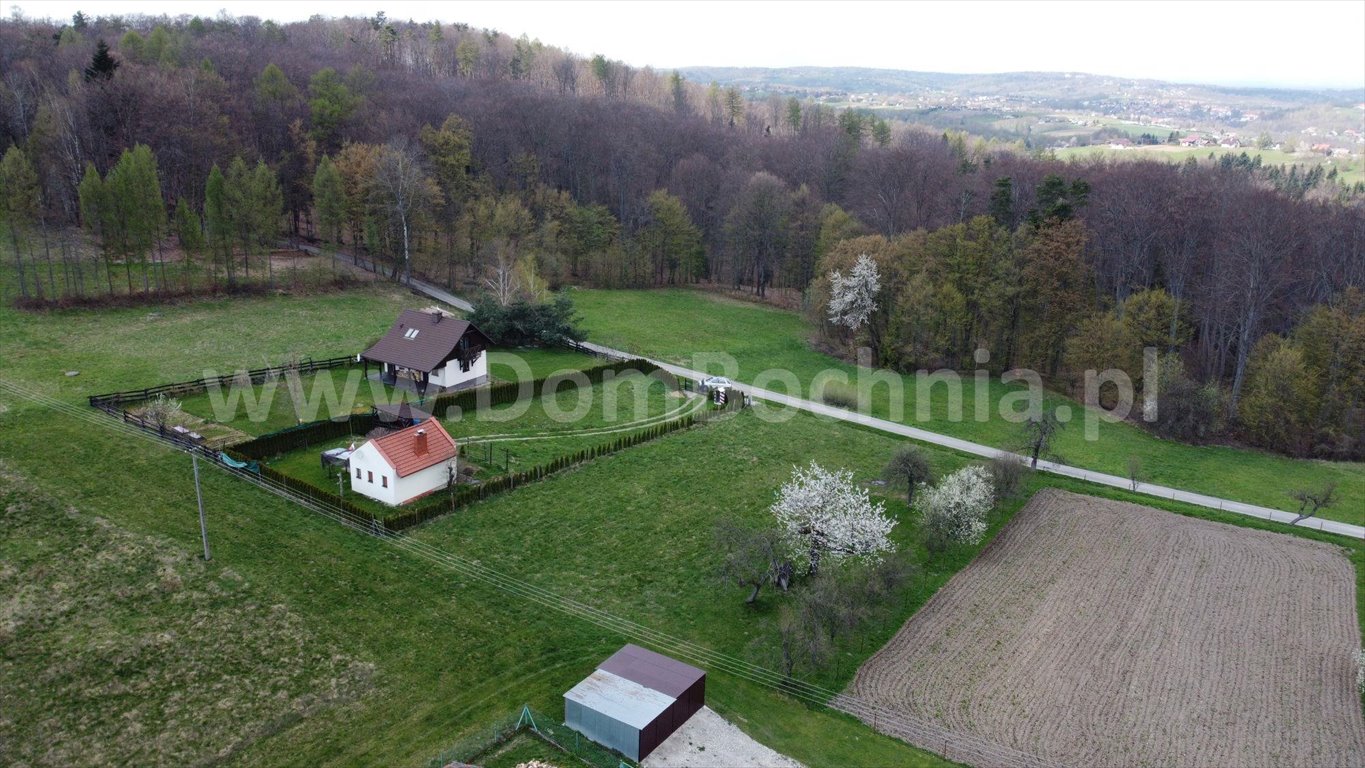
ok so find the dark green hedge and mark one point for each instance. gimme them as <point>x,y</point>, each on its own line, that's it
<point>304,435</point>
<point>445,501</point>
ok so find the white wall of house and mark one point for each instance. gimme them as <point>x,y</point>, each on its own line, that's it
<point>369,471</point>
<point>450,374</point>
<point>422,482</point>
<point>372,476</point>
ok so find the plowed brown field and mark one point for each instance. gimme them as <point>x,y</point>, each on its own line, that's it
<point>1099,633</point>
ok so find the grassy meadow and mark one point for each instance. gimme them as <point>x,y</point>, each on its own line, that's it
<point>447,654</point>
<point>266,407</point>
<point>521,436</point>
<point>374,656</point>
<point>691,327</point>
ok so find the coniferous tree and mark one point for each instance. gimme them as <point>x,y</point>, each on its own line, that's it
<point>95,212</point>
<point>189,230</point>
<point>102,64</point>
<point>19,208</point>
<point>138,209</point>
<point>329,198</point>
<point>267,206</point>
<point>217,223</point>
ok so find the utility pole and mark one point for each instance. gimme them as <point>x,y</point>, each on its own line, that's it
<point>199,494</point>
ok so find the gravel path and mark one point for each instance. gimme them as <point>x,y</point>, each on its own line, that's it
<point>708,740</point>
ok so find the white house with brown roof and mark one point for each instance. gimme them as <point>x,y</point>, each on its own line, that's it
<point>404,465</point>
<point>431,347</point>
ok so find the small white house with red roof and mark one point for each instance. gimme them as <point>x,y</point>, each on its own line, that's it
<point>404,465</point>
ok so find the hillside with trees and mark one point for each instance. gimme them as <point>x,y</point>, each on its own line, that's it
<point>157,156</point>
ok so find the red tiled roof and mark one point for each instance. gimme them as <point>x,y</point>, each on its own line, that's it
<point>400,449</point>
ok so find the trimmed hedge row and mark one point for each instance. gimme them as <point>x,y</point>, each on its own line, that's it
<point>446,501</point>
<point>443,502</point>
<point>304,435</point>
<point>507,392</point>
<point>503,393</point>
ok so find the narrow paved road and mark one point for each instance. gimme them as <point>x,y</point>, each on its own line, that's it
<point>986,451</point>
<point>922,435</point>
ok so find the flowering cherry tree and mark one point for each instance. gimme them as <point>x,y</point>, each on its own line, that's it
<point>1360,670</point>
<point>955,509</point>
<point>824,515</point>
<point>853,299</point>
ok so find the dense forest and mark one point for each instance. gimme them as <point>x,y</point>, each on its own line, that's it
<point>158,156</point>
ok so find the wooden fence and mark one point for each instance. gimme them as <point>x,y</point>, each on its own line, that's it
<point>201,385</point>
<point>443,502</point>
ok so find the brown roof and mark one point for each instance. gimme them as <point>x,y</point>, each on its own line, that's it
<point>652,670</point>
<point>402,449</point>
<point>423,341</point>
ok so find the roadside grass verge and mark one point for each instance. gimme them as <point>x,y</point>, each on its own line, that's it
<point>689,327</point>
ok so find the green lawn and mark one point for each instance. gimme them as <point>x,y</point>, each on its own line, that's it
<point>692,327</point>
<point>631,534</point>
<point>448,654</point>
<point>519,364</point>
<point>521,436</point>
<point>270,406</point>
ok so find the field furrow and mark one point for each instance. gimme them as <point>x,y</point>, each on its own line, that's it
<point>1094,632</point>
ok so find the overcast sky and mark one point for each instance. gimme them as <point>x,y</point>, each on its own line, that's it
<point>1246,42</point>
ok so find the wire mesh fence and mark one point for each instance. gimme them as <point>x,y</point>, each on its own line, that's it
<point>962,747</point>
<point>486,740</point>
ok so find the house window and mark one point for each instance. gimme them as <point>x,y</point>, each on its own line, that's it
<point>357,473</point>
<point>370,477</point>
<point>411,333</point>
<point>384,480</point>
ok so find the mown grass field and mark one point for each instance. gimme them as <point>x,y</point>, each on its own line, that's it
<point>264,407</point>
<point>631,534</point>
<point>694,328</point>
<point>524,435</point>
<point>448,653</point>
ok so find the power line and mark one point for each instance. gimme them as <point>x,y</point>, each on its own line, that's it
<point>922,733</point>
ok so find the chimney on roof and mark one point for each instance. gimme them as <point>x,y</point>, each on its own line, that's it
<point>419,444</point>
<point>436,316</point>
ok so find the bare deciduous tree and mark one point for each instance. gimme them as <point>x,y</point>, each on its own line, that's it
<point>832,606</point>
<point>1038,432</point>
<point>1135,473</point>
<point>909,466</point>
<point>754,558</point>
<point>404,189</point>
<point>1313,500</point>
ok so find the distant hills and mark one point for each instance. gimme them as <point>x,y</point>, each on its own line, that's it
<point>994,104</point>
<point>1064,87</point>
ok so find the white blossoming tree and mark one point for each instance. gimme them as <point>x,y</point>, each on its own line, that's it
<point>954,511</point>
<point>823,515</point>
<point>853,299</point>
<point>1360,671</point>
